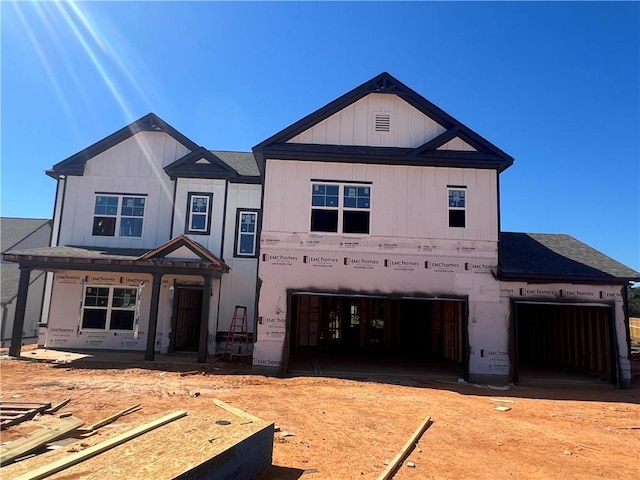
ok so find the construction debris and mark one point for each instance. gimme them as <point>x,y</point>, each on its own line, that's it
<point>112,418</point>
<point>12,413</point>
<point>502,408</point>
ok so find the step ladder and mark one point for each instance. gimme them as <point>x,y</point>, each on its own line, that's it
<point>238,335</point>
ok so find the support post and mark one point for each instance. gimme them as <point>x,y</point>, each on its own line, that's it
<point>204,319</point>
<point>153,317</point>
<point>21,308</point>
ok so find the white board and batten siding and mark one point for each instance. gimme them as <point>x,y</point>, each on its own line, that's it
<point>239,285</point>
<point>406,201</point>
<point>213,240</point>
<point>354,125</point>
<point>134,166</point>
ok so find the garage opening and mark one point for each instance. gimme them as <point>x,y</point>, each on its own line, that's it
<point>334,333</point>
<point>564,342</point>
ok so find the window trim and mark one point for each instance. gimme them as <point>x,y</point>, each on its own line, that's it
<point>342,185</point>
<point>187,225</point>
<point>236,244</point>
<point>109,308</point>
<point>118,215</point>
<point>453,188</point>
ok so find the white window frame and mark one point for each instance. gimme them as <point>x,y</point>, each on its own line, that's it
<point>450,207</point>
<point>190,213</point>
<point>109,308</point>
<point>119,216</point>
<point>240,233</point>
<point>340,208</point>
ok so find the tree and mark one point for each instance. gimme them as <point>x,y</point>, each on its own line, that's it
<point>633,295</point>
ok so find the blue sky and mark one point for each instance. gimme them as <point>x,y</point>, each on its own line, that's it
<point>556,85</point>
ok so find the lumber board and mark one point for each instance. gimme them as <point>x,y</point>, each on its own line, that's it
<point>234,410</point>
<point>111,418</point>
<point>97,449</point>
<point>57,406</point>
<point>12,413</point>
<point>404,452</point>
<point>37,439</point>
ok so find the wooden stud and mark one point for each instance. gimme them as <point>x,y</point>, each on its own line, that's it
<point>404,452</point>
<point>78,457</point>
<point>236,411</point>
<point>111,418</point>
<point>58,406</point>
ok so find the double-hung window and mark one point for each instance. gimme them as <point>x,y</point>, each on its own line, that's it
<point>246,233</point>
<point>340,208</point>
<point>118,215</point>
<point>109,308</point>
<point>199,213</point>
<point>457,207</point>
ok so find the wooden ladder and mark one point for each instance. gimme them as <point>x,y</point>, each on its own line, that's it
<point>238,334</point>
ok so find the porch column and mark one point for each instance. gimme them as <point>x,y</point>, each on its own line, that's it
<point>21,308</point>
<point>153,317</point>
<point>204,319</point>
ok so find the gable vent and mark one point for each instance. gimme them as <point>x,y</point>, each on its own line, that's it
<point>382,122</point>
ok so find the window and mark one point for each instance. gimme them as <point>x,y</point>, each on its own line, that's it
<point>109,308</point>
<point>247,231</point>
<point>118,213</point>
<point>457,206</point>
<point>346,213</point>
<point>199,213</point>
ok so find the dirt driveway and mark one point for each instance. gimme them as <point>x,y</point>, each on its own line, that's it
<point>348,429</point>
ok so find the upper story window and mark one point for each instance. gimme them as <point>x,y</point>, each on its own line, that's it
<point>340,208</point>
<point>246,233</point>
<point>199,213</point>
<point>457,207</point>
<point>109,308</point>
<point>123,214</point>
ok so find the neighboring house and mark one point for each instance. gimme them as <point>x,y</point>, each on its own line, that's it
<point>18,234</point>
<point>153,245</point>
<point>381,236</point>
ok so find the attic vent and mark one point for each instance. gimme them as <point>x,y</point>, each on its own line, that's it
<point>202,160</point>
<point>382,122</point>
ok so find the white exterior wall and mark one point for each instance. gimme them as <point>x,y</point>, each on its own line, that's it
<point>213,241</point>
<point>64,332</point>
<point>239,285</point>
<point>406,201</point>
<point>134,166</point>
<point>31,316</point>
<point>354,125</point>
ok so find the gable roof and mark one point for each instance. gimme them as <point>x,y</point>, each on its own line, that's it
<point>74,165</point>
<point>14,230</point>
<point>203,163</point>
<point>558,257</point>
<point>487,156</point>
<point>182,241</point>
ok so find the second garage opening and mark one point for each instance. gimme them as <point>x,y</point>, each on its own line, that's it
<point>564,342</point>
<point>332,333</point>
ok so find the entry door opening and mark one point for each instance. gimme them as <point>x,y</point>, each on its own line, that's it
<point>415,331</point>
<point>186,322</point>
<point>564,342</point>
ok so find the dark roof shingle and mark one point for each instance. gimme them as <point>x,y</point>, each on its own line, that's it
<point>561,257</point>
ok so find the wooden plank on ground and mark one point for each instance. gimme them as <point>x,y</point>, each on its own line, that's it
<point>38,439</point>
<point>234,410</point>
<point>112,418</point>
<point>12,413</point>
<point>57,406</point>
<point>397,460</point>
<point>76,458</point>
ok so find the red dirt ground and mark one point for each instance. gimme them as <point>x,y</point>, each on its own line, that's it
<point>347,429</point>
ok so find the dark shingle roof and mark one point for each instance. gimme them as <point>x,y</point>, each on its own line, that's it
<point>242,162</point>
<point>546,256</point>
<point>83,252</point>
<point>13,230</point>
